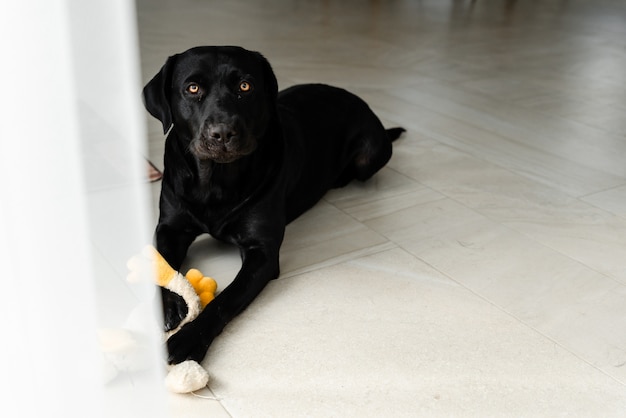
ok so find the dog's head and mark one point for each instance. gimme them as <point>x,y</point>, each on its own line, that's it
<point>218,99</point>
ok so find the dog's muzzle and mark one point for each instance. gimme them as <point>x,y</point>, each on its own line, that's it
<point>222,143</point>
<point>222,133</point>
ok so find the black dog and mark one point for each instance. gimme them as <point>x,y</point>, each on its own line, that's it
<point>242,161</point>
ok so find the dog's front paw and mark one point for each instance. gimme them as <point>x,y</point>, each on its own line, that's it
<point>189,343</point>
<point>175,309</point>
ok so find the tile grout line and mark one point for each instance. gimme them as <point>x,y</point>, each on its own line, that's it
<point>519,320</point>
<point>399,245</point>
<point>510,228</point>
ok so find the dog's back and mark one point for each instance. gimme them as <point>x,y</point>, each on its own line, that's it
<point>332,137</point>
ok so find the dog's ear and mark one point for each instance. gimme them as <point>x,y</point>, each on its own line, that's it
<point>269,78</point>
<point>156,94</point>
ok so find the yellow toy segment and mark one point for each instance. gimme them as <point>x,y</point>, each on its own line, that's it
<point>206,297</point>
<point>166,276</point>
<point>163,271</point>
<point>205,287</point>
<point>194,276</point>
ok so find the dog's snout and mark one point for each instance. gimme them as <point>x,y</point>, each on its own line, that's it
<point>222,132</point>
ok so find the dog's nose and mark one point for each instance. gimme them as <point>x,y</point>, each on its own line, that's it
<point>222,132</point>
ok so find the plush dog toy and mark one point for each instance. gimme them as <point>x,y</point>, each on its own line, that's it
<point>197,291</point>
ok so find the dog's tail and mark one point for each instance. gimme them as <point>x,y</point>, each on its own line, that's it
<point>394,133</point>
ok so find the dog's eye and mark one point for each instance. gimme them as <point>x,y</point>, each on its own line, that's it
<point>245,87</point>
<point>193,89</point>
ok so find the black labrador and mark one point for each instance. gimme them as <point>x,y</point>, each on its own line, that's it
<point>242,161</point>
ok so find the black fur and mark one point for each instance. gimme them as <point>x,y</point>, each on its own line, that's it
<point>242,161</point>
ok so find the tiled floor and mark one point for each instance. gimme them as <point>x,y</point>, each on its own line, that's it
<point>483,272</point>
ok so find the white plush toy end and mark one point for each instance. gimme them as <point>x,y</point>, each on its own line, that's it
<point>186,377</point>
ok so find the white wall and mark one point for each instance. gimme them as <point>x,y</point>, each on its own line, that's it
<point>69,74</point>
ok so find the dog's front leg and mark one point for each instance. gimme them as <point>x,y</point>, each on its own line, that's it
<point>260,265</point>
<point>173,243</point>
